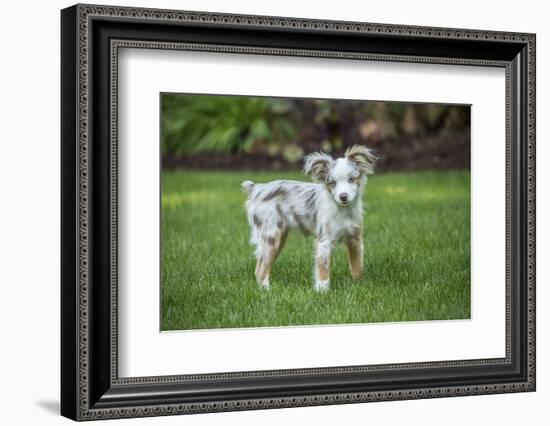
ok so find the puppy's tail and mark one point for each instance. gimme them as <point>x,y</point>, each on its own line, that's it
<point>247,185</point>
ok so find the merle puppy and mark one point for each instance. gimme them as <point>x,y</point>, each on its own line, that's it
<point>330,209</point>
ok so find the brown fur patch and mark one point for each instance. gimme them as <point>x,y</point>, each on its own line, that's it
<point>322,269</point>
<point>328,188</point>
<point>363,158</point>
<point>354,255</point>
<point>272,249</point>
<point>320,169</point>
<point>281,244</point>
<point>258,266</point>
<point>317,165</point>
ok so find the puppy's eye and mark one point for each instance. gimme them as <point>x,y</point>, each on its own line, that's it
<point>351,179</point>
<point>331,183</point>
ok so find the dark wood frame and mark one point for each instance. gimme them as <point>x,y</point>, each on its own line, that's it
<point>91,37</point>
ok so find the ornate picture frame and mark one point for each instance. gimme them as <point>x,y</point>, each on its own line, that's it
<point>91,37</point>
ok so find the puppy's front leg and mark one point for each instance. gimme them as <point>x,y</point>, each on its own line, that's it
<point>355,255</point>
<point>323,250</point>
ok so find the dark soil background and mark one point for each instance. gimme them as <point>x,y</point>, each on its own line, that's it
<point>447,152</point>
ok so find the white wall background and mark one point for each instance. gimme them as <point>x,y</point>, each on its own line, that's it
<point>29,211</point>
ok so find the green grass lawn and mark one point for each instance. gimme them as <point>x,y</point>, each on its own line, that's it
<point>417,256</point>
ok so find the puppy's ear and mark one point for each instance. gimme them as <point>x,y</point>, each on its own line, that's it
<point>363,158</point>
<point>317,165</point>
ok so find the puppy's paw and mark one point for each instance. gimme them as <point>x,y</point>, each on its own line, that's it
<point>265,284</point>
<point>356,275</point>
<point>321,285</point>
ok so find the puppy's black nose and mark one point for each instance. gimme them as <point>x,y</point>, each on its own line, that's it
<point>344,197</point>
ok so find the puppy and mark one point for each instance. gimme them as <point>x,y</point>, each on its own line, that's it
<point>330,209</point>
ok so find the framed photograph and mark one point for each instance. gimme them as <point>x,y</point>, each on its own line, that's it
<point>263,212</point>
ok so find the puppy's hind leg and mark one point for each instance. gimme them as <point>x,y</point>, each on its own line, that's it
<point>271,248</point>
<point>282,241</point>
<point>258,266</point>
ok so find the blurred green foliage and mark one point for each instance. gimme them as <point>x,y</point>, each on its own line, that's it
<point>197,123</point>
<point>289,126</point>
